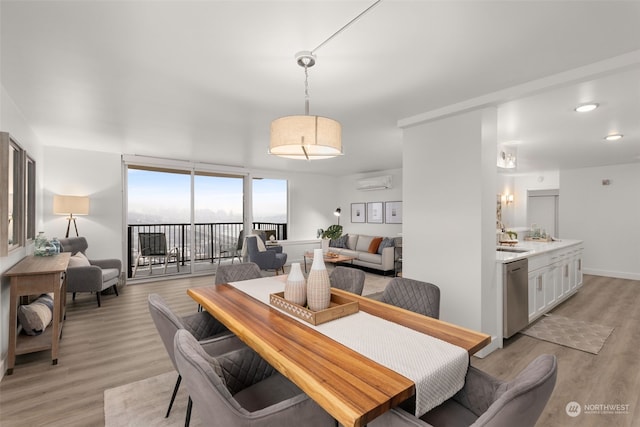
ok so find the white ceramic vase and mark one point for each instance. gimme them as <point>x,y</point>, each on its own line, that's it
<point>325,245</point>
<point>318,284</point>
<point>295,290</point>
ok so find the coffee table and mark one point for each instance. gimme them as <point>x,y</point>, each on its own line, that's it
<point>332,259</point>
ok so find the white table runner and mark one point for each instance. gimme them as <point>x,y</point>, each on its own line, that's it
<point>437,368</point>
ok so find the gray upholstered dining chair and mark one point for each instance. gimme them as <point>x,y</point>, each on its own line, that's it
<point>205,329</point>
<point>266,259</point>
<point>237,272</point>
<point>414,295</point>
<point>485,401</point>
<point>348,279</point>
<point>240,388</point>
<point>89,275</point>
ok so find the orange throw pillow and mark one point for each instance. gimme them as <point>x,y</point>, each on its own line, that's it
<point>373,246</point>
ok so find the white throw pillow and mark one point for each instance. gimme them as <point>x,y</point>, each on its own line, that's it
<point>79,260</point>
<point>261,247</point>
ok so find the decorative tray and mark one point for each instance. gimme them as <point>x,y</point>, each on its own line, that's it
<point>339,307</point>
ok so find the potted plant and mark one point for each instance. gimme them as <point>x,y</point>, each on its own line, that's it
<point>332,232</point>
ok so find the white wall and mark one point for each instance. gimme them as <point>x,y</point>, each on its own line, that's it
<point>607,218</point>
<point>86,173</point>
<point>449,192</point>
<point>312,200</point>
<point>348,194</point>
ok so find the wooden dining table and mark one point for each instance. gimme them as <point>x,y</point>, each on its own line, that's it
<point>351,387</point>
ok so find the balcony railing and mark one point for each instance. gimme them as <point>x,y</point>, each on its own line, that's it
<point>209,239</point>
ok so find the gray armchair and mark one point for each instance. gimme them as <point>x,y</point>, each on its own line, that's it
<point>413,295</point>
<point>85,275</point>
<point>485,401</point>
<point>240,388</point>
<point>267,259</point>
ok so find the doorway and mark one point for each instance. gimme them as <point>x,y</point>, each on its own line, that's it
<point>543,208</point>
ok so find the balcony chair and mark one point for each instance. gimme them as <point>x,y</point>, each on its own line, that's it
<point>154,246</point>
<point>413,295</point>
<point>237,272</point>
<point>232,251</point>
<point>265,258</point>
<point>205,329</point>
<point>348,279</point>
<point>240,388</point>
<point>485,401</point>
<point>88,275</point>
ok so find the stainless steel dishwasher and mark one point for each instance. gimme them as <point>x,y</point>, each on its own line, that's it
<point>515,281</point>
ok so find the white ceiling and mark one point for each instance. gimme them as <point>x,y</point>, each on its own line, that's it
<point>202,80</point>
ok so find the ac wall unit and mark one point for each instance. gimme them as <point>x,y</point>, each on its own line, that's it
<point>374,183</point>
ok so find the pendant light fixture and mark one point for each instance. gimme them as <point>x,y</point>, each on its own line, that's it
<point>306,137</point>
<point>309,137</point>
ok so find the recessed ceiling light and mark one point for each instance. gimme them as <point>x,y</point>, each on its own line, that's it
<point>586,107</point>
<point>613,137</point>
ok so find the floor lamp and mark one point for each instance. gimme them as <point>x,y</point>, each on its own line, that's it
<point>70,205</point>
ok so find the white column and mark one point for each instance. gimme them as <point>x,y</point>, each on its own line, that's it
<point>449,197</point>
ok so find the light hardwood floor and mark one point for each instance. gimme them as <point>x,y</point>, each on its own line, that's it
<point>611,377</point>
<point>118,344</point>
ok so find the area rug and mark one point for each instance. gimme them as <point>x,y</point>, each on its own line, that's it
<point>578,334</point>
<point>145,403</point>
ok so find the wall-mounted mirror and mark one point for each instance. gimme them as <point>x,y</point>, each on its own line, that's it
<point>13,194</point>
<point>30,198</point>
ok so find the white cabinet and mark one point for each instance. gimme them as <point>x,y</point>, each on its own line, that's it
<point>552,289</point>
<point>553,277</point>
<point>540,286</point>
<point>575,269</point>
<point>534,294</point>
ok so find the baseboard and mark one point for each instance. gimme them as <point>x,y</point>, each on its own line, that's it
<point>615,274</point>
<point>3,365</point>
<point>493,346</point>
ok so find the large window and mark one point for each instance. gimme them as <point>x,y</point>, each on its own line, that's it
<point>158,196</point>
<point>270,200</point>
<point>200,212</point>
<point>218,213</point>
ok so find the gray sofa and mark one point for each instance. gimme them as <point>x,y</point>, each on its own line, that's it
<point>357,245</point>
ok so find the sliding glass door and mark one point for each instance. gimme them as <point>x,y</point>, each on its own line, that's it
<point>194,217</point>
<point>159,221</point>
<point>218,216</point>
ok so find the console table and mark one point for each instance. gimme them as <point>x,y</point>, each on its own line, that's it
<point>35,275</point>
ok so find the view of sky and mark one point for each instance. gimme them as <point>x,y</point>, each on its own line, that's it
<point>163,197</point>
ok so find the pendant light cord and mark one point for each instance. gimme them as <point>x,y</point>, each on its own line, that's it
<point>345,26</point>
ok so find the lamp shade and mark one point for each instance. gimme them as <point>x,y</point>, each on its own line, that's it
<point>306,137</point>
<point>66,205</point>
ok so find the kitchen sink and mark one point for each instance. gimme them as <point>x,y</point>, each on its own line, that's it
<point>515,250</point>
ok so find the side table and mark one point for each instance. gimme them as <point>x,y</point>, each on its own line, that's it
<point>35,275</point>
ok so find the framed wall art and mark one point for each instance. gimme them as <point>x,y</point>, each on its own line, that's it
<point>375,214</point>
<point>393,212</point>
<point>358,214</point>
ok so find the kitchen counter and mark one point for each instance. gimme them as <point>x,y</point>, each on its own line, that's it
<point>531,248</point>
